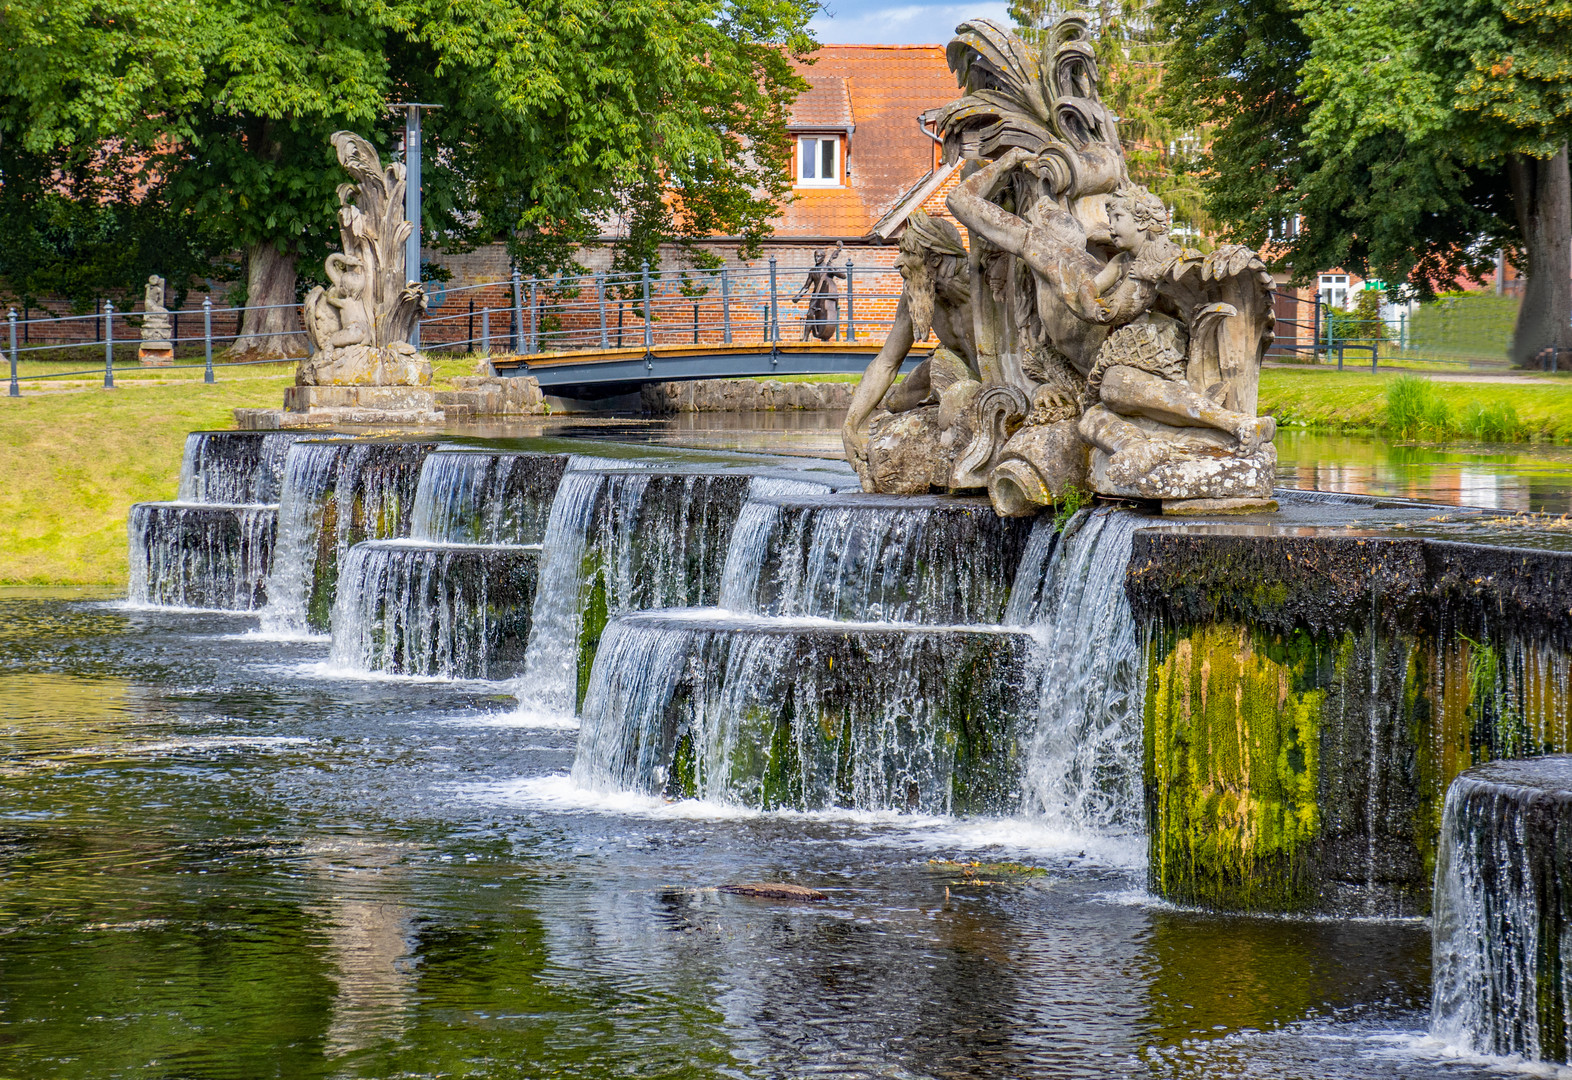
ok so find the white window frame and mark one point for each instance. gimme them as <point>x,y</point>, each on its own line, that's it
<point>1334,290</point>
<point>816,156</point>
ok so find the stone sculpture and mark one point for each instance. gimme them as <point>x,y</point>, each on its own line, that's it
<point>1098,352</point>
<point>823,317</point>
<point>157,348</point>
<point>359,326</point>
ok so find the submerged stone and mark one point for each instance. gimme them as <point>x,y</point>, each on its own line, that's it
<point>462,611</point>
<point>808,715</point>
<point>1502,946</point>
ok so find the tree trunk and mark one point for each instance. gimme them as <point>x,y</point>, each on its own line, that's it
<point>1542,197</point>
<point>273,331</point>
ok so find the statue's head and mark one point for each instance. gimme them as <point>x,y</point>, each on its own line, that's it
<point>932,259</point>
<point>1135,216</point>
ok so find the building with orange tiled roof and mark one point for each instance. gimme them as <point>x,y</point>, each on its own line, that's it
<point>864,156</point>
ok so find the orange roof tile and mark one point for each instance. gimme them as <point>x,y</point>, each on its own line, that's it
<point>884,88</point>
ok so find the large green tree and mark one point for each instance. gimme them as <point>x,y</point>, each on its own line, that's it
<point>559,118</point>
<point>1394,130</point>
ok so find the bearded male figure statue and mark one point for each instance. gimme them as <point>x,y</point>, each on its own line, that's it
<point>1101,353</point>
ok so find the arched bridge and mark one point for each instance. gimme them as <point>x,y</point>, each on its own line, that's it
<point>600,373</point>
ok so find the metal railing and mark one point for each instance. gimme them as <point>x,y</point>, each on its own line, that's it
<point>598,311</point>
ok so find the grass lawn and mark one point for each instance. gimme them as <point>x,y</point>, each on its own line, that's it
<point>76,458</point>
<point>1352,401</point>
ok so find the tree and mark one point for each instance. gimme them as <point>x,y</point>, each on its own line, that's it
<point>557,116</point>
<point>1346,117</point>
<point>1133,56</point>
<point>1484,84</point>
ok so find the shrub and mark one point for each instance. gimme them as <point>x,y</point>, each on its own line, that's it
<point>1414,407</point>
<point>1492,423</point>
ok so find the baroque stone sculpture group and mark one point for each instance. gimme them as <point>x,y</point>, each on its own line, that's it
<point>1078,345</point>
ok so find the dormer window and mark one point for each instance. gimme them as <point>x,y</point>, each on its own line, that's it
<point>819,161</point>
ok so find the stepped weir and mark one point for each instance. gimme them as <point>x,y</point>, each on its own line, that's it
<point>1280,716</point>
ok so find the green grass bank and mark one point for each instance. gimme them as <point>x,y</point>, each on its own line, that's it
<point>78,457</point>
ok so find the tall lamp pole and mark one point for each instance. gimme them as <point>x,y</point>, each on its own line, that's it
<point>412,191</point>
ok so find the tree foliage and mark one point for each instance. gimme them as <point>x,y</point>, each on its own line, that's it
<point>560,119</point>
<point>1390,127</point>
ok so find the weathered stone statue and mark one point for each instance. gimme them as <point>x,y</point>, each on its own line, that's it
<point>823,316</point>
<point>1104,354</point>
<point>360,325</point>
<point>157,348</point>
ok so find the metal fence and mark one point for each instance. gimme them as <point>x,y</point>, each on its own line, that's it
<point>1472,330</point>
<point>726,306</point>
<point>599,311</point>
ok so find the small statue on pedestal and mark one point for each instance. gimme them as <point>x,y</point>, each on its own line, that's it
<point>157,348</point>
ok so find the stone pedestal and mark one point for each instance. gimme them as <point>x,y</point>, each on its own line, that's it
<point>156,354</point>
<point>398,406</point>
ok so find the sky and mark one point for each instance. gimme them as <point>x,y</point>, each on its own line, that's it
<point>881,22</point>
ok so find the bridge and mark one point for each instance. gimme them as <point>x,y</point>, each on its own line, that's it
<point>602,373</point>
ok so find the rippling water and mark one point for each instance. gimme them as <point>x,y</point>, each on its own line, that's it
<point>219,859</point>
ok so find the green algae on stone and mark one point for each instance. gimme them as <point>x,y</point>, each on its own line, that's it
<point>1233,768</point>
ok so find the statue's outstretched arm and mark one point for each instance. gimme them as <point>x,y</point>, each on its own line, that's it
<point>877,380</point>
<point>970,203</point>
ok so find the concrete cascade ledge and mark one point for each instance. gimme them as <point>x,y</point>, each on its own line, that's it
<point>407,406</point>
<point>744,395</point>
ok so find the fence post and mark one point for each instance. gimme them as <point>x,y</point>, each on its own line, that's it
<point>534,316</point>
<point>207,337</point>
<point>851,314</point>
<point>485,331</point>
<point>1315,329</point>
<point>649,330</point>
<point>1375,353</point>
<point>16,390</point>
<point>775,310</point>
<point>109,345</point>
<point>518,311</point>
<point>600,298</point>
<point>725,307</point>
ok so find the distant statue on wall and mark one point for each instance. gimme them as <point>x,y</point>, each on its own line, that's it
<point>823,317</point>
<point>157,348</point>
<point>1105,354</point>
<point>359,326</point>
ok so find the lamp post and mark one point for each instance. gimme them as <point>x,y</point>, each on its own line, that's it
<point>412,192</point>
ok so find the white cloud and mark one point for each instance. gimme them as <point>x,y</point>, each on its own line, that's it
<point>848,22</point>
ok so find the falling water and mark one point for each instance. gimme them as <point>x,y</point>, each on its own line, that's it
<point>234,467</point>
<point>334,495</point>
<point>193,555</point>
<point>451,610</point>
<point>1084,758</point>
<point>485,497</point>
<point>1502,929</point>
<point>807,714</point>
<point>622,541</point>
<point>874,558</point>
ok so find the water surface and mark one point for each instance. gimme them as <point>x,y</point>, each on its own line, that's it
<point>220,859</point>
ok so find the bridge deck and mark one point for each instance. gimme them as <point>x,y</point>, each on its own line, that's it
<point>600,372</point>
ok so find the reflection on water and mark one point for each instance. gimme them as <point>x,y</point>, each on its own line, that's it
<point>217,864</point>
<point>1511,477</point>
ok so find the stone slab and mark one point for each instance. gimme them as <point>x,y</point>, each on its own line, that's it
<point>402,398</point>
